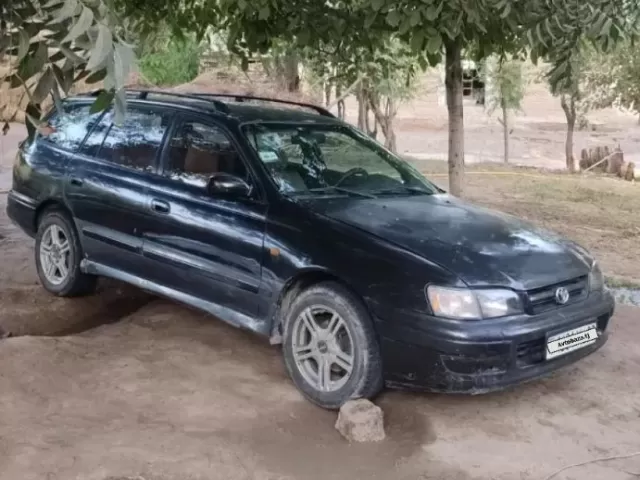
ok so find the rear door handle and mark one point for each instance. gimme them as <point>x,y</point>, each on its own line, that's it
<point>76,182</point>
<point>159,206</point>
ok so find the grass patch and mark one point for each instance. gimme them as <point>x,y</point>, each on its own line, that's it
<point>615,282</point>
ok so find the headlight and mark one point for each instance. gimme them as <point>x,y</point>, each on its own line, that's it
<point>465,304</point>
<point>596,279</point>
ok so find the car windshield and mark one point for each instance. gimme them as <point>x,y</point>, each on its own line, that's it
<point>321,160</point>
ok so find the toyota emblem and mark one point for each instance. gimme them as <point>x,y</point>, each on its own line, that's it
<point>562,295</point>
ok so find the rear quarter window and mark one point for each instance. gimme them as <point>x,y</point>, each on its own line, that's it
<point>67,128</point>
<point>135,144</point>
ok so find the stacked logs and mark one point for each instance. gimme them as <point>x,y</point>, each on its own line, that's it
<point>603,160</point>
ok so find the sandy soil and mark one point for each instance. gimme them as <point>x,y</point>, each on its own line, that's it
<point>122,383</point>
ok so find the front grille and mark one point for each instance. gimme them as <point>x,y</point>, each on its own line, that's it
<point>543,299</point>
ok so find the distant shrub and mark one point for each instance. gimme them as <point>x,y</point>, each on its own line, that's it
<point>178,63</point>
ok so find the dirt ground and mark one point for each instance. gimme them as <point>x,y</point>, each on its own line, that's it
<point>123,383</point>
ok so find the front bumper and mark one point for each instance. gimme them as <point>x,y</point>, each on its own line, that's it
<point>21,210</point>
<point>427,353</point>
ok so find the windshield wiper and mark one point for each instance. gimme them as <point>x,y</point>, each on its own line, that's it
<point>342,190</point>
<point>404,189</point>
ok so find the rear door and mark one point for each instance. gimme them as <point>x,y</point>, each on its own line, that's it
<point>207,247</point>
<point>107,185</point>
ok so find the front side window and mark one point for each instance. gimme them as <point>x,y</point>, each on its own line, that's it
<point>332,159</point>
<point>135,144</point>
<point>67,127</point>
<point>199,150</point>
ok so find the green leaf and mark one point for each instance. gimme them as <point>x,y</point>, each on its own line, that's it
<point>431,13</point>
<point>103,101</point>
<point>123,60</point>
<point>530,39</point>
<point>33,114</point>
<point>52,3</point>
<point>541,38</point>
<point>96,77</point>
<point>404,26</point>
<point>417,41</point>
<point>120,107</point>
<point>415,18</point>
<point>370,18</point>
<point>534,56</point>
<point>23,48</point>
<point>393,18</point>
<point>304,36</point>
<point>507,10</point>
<point>67,10</point>
<point>44,86</point>
<point>434,43</point>
<point>264,12</point>
<point>376,5</point>
<point>71,55</point>
<point>60,78</point>
<point>606,27</point>
<point>33,64</point>
<point>102,49</point>
<point>547,24</point>
<point>82,25</point>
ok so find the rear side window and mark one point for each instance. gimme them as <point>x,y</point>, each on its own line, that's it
<point>135,144</point>
<point>69,126</point>
<point>199,150</point>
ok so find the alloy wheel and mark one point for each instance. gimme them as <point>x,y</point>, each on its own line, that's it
<point>323,348</point>
<point>55,252</point>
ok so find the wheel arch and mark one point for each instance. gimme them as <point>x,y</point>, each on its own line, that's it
<point>302,280</point>
<point>47,205</point>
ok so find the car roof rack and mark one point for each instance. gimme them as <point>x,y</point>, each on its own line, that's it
<point>212,99</point>
<point>142,94</point>
<point>241,98</point>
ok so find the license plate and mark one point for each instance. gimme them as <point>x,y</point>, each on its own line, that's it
<point>571,340</point>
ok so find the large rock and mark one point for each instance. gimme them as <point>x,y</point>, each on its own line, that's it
<point>361,421</point>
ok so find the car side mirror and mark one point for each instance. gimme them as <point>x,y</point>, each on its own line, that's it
<point>228,185</point>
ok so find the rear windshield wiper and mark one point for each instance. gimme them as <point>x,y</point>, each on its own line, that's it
<point>342,190</point>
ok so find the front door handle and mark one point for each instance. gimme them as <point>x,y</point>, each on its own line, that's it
<point>159,206</point>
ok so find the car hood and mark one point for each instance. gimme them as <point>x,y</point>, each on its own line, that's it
<point>480,246</point>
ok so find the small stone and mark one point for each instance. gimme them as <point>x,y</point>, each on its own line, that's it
<point>361,421</point>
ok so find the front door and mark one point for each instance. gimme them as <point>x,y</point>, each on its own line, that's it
<point>208,247</point>
<point>107,185</point>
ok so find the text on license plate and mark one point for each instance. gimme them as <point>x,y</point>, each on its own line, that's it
<point>565,342</point>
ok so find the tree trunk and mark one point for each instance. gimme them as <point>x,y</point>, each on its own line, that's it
<point>327,93</point>
<point>340,103</point>
<point>569,106</point>
<point>385,119</point>
<point>362,108</point>
<point>505,128</point>
<point>291,72</point>
<point>453,83</point>
<point>372,132</point>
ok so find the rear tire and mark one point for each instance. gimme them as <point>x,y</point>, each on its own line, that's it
<point>58,255</point>
<point>330,348</point>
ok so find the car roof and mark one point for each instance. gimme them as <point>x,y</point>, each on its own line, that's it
<point>244,109</point>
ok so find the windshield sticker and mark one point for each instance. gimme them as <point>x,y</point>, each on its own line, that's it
<point>268,156</point>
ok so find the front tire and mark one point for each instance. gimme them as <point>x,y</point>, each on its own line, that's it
<point>58,254</point>
<point>330,348</point>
